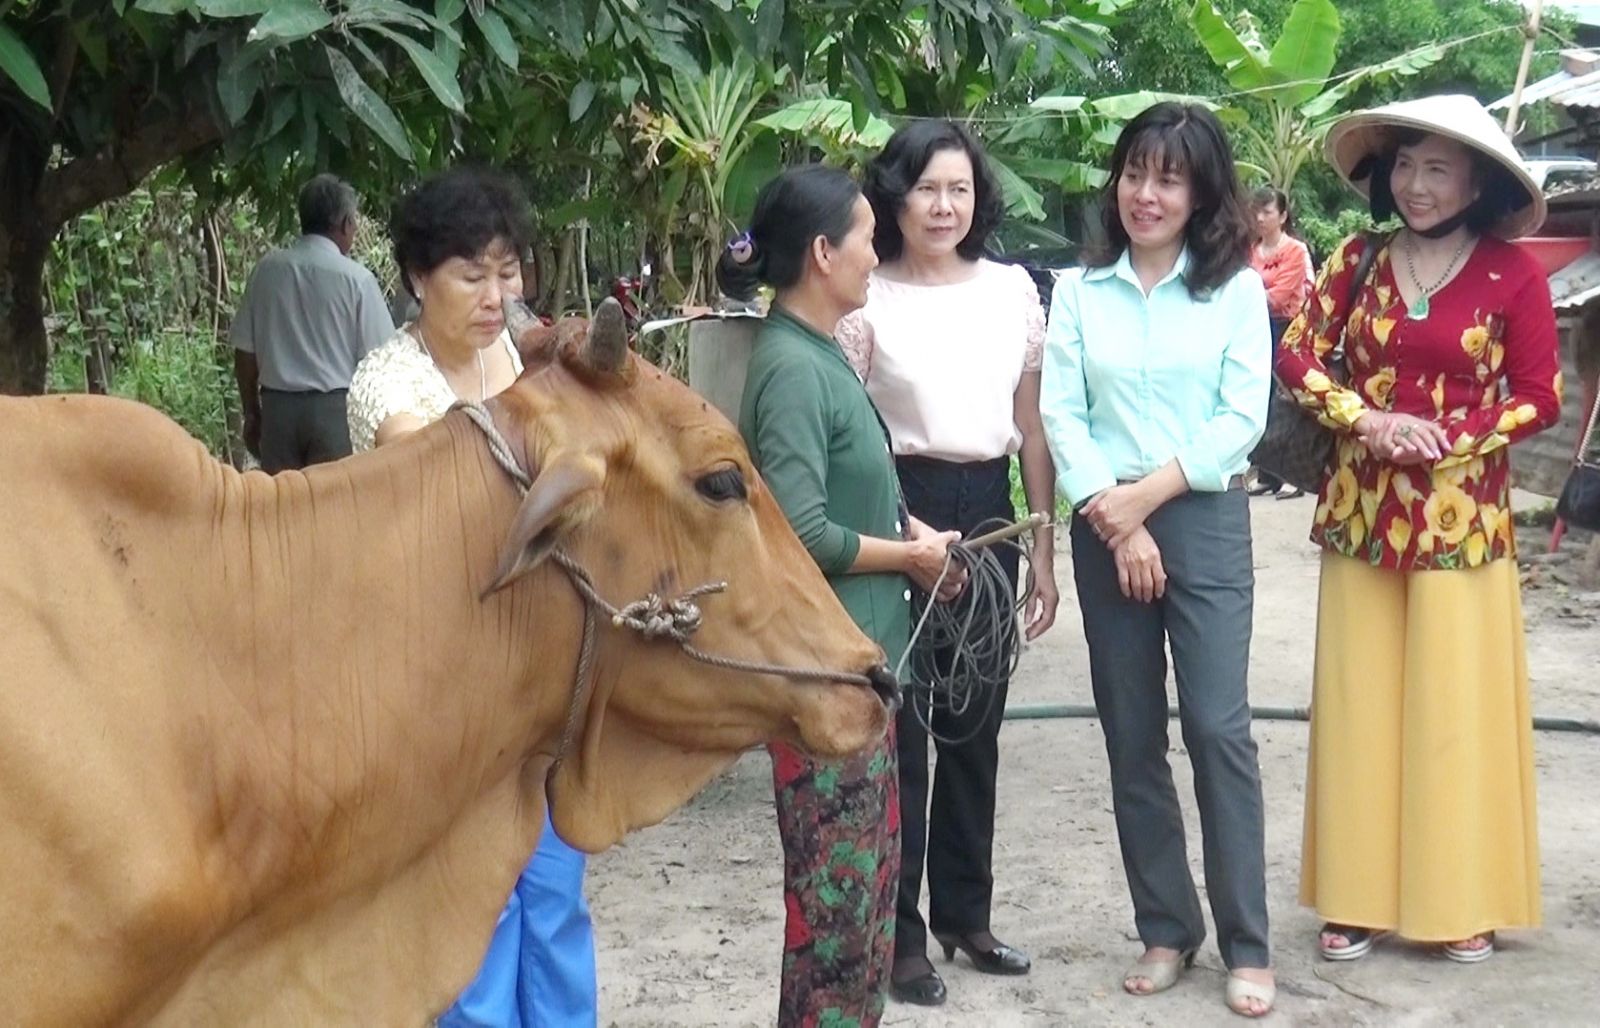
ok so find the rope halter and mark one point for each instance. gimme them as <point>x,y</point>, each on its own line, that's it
<point>652,617</point>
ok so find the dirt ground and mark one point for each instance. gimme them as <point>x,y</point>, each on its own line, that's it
<point>688,915</point>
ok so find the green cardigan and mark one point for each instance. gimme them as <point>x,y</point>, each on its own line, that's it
<point>821,448</point>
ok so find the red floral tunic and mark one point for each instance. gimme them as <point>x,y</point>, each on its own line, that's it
<point>1483,365</point>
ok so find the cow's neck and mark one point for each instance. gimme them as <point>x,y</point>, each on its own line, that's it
<point>382,689</point>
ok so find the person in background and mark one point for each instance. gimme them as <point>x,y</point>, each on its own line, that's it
<point>949,346</point>
<point>1284,264</point>
<point>458,238</point>
<point>308,316</point>
<point>823,452</point>
<point>1157,373</point>
<point>1420,811</point>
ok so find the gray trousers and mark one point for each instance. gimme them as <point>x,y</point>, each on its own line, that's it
<point>1206,617</point>
<point>302,429</point>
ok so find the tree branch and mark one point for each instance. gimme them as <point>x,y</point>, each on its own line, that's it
<point>85,182</point>
<point>61,69</point>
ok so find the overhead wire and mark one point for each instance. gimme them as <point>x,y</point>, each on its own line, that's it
<point>1327,81</point>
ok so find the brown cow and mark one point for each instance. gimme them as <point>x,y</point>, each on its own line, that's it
<point>273,749</point>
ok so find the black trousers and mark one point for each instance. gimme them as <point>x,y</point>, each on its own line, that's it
<point>955,833</point>
<point>1279,325</point>
<point>301,429</point>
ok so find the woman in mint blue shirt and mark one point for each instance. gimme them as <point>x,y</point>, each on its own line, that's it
<point>1157,370</point>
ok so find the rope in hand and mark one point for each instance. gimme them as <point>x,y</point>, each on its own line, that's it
<point>962,653</point>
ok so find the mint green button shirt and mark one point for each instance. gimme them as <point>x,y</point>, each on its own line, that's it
<point>1131,381</point>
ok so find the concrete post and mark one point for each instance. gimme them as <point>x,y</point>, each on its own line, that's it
<point>719,356</point>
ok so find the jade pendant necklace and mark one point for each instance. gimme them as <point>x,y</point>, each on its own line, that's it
<point>1418,310</point>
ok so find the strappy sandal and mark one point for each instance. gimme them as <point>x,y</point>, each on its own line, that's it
<point>1161,974</point>
<point>1359,941</point>
<point>1462,955</point>
<point>1240,989</point>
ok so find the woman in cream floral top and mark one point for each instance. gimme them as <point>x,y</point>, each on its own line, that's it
<point>457,239</point>
<point>1420,792</point>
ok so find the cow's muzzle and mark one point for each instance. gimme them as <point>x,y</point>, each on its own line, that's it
<point>885,685</point>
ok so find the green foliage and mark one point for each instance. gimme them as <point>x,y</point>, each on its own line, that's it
<point>248,98</point>
<point>191,378</point>
<point>1287,88</point>
<point>702,142</point>
<point>18,65</point>
<point>139,294</point>
<point>1324,234</point>
<point>641,127</point>
<point>830,125</point>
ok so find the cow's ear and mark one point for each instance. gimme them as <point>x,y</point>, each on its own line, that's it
<point>566,492</point>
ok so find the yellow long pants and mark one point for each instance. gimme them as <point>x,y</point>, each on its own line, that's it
<point>1420,814</point>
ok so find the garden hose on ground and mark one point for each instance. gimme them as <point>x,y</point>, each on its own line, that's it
<point>1050,711</point>
<point>962,652</point>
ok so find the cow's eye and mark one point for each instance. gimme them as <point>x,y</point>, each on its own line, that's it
<point>724,484</point>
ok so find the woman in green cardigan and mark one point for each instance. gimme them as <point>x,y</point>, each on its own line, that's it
<point>824,454</point>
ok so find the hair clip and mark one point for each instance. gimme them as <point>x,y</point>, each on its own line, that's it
<point>741,248</point>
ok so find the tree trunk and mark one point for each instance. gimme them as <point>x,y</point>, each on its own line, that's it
<point>564,259</point>
<point>36,200</point>
<point>96,367</point>
<point>24,346</point>
<point>217,291</point>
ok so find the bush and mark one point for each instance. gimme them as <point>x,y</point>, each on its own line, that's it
<point>140,293</point>
<point>1323,235</point>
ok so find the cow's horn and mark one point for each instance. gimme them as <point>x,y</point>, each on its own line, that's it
<point>534,340</point>
<point>606,349</point>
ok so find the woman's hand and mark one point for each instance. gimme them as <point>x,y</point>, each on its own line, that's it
<point>1039,609</point>
<point>1139,569</point>
<point>1415,440</point>
<point>1402,438</point>
<point>1115,513</point>
<point>925,558</point>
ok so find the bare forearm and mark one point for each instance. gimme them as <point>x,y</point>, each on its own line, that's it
<point>1039,487</point>
<point>248,374</point>
<point>1167,482</point>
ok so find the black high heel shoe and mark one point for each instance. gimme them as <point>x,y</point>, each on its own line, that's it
<point>998,959</point>
<point>925,990</point>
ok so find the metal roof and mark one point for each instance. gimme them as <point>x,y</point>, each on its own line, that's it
<point>1577,84</point>
<point>1584,12</point>
<point>1577,283</point>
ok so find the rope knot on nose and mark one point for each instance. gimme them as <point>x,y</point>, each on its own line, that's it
<point>656,618</point>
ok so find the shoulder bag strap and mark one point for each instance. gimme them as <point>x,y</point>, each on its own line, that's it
<point>1369,256</point>
<point>1582,456</point>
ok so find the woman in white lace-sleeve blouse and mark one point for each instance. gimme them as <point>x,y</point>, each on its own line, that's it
<point>950,348</point>
<point>457,240</point>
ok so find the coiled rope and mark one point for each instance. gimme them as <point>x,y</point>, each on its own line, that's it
<point>963,652</point>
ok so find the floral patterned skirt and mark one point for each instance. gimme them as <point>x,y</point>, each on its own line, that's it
<point>840,826</point>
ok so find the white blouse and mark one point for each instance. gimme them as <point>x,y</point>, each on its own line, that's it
<point>943,362</point>
<point>400,377</point>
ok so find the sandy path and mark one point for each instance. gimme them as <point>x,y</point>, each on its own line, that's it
<point>689,914</point>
